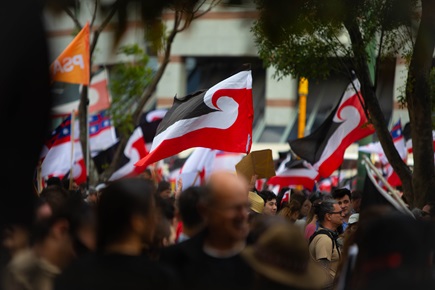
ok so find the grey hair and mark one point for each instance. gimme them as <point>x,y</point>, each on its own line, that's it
<point>326,206</point>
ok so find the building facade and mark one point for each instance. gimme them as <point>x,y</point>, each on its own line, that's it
<point>211,49</point>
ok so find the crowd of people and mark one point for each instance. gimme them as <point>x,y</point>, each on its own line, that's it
<point>135,233</point>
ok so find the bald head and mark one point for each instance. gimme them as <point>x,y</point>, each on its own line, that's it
<point>224,183</point>
<point>226,207</point>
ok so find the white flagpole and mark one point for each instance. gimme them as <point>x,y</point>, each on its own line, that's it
<point>392,196</point>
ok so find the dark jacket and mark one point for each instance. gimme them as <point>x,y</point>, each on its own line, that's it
<point>116,272</point>
<point>199,271</point>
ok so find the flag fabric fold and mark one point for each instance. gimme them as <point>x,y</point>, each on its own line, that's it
<point>72,65</point>
<point>324,149</point>
<point>63,152</point>
<point>135,149</point>
<point>197,167</point>
<point>149,122</point>
<point>294,172</point>
<point>218,118</point>
<point>400,144</point>
<point>66,96</point>
<point>102,134</point>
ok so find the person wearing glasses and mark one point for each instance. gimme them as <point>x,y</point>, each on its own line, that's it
<point>323,245</point>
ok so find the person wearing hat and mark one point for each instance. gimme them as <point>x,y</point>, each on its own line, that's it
<point>281,260</point>
<point>257,203</point>
<point>351,228</point>
<point>255,213</point>
<point>353,219</point>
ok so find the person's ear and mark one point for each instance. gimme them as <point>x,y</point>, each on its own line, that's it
<point>203,210</point>
<point>138,223</point>
<point>60,228</point>
<point>295,215</point>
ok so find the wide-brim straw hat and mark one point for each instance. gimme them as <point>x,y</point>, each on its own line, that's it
<point>257,202</point>
<point>281,255</point>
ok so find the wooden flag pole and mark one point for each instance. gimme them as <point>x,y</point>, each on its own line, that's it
<point>196,178</point>
<point>72,136</point>
<point>39,178</point>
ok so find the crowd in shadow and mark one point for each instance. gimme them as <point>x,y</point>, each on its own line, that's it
<point>134,233</point>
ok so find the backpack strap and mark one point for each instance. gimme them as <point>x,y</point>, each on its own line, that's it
<point>330,234</point>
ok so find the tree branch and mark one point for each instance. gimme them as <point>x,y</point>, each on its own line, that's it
<point>103,25</point>
<point>73,17</point>
<point>94,14</point>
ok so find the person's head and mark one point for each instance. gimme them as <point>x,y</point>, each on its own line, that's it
<point>291,210</point>
<point>356,198</point>
<point>69,184</point>
<point>225,207</point>
<point>343,197</point>
<point>429,210</point>
<point>352,224</point>
<point>92,196</point>
<point>164,234</point>
<point>164,189</point>
<point>55,196</point>
<point>329,214</point>
<point>187,205</point>
<point>147,174</point>
<point>15,237</point>
<point>62,236</point>
<point>126,210</point>
<point>281,260</point>
<point>261,224</point>
<point>394,246</point>
<point>54,181</point>
<point>270,205</point>
<point>304,201</point>
<point>257,203</point>
<point>420,214</point>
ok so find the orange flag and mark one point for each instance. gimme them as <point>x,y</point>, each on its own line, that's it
<point>72,65</point>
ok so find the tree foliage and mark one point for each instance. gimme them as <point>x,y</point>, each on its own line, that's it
<point>134,85</point>
<point>311,38</point>
<point>127,82</point>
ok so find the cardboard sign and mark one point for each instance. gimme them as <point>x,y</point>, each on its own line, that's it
<point>258,163</point>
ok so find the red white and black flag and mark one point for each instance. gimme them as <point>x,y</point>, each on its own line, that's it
<point>218,118</point>
<point>135,149</point>
<point>293,172</point>
<point>346,124</point>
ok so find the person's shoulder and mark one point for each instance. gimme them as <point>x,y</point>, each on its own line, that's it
<point>162,275</point>
<point>23,261</point>
<point>300,222</point>
<point>183,252</point>
<point>321,236</point>
<point>74,274</point>
<point>186,245</point>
